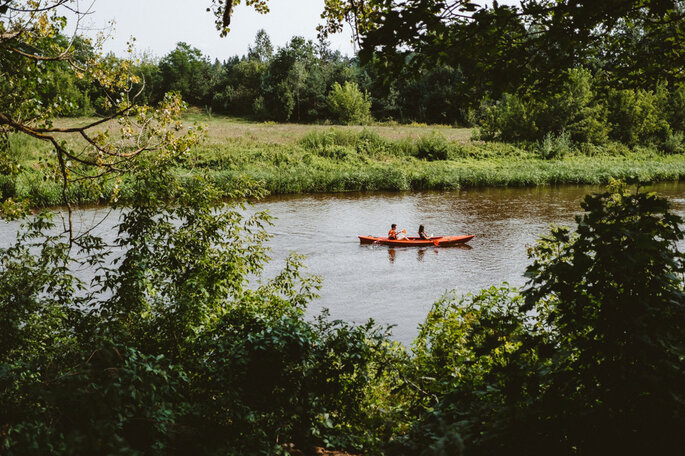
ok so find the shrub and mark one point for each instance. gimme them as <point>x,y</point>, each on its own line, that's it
<point>574,110</point>
<point>637,117</point>
<point>433,147</point>
<point>348,104</point>
<point>467,358</point>
<point>510,119</point>
<point>586,360</point>
<point>278,378</point>
<point>674,143</point>
<point>554,146</point>
<point>610,295</point>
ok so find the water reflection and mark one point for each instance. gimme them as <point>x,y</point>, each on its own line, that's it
<point>421,252</point>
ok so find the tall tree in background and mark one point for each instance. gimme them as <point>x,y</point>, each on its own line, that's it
<point>186,70</point>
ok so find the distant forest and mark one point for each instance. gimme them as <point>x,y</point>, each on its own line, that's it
<point>598,96</point>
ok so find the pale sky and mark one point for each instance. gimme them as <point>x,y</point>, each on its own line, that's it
<point>158,25</point>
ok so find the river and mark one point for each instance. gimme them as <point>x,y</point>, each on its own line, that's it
<point>397,286</point>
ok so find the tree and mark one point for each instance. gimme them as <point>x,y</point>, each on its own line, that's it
<point>90,156</point>
<point>348,104</point>
<point>504,46</point>
<point>187,71</point>
<point>262,49</point>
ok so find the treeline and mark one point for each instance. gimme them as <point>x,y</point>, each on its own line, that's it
<point>307,82</point>
<point>579,113</point>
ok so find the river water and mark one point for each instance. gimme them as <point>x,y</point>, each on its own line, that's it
<point>397,286</point>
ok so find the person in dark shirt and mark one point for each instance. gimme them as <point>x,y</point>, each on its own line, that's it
<point>422,233</point>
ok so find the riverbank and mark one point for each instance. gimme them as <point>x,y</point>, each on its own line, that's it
<point>291,159</point>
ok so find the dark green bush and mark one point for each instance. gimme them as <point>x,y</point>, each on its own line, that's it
<point>631,116</point>
<point>281,379</point>
<point>637,116</point>
<point>114,401</point>
<point>586,361</point>
<point>510,119</point>
<point>433,147</point>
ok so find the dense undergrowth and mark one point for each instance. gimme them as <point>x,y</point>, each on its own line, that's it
<point>339,160</point>
<point>168,351</point>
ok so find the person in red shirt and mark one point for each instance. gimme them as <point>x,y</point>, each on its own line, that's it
<point>392,234</point>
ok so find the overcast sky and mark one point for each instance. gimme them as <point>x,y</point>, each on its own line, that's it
<point>158,25</point>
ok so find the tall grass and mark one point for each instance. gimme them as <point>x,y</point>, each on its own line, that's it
<point>340,160</point>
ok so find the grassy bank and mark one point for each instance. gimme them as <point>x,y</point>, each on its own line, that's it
<point>307,159</point>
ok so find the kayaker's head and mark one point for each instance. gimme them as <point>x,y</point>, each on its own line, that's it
<point>421,228</point>
<point>393,226</point>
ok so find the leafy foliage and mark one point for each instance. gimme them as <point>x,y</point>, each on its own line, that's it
<point>588,359</point>
<point>172,350</point>
<point>348,104</point>
<point>614,291</point>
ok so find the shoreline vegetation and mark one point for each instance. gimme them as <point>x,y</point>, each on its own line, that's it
<point>301,159</point>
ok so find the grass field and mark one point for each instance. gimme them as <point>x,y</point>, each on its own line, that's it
<point>221,129</point>
<point>291,158</point>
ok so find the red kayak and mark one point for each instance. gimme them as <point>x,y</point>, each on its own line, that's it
<point>437,241</point>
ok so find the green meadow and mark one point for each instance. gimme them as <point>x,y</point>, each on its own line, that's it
<point>295,158</point>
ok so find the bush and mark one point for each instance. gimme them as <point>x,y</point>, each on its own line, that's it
<point>510,119</point>
<point>637,117</point>
<point>168,350</point>
<point>574,110</point>
<point>554,146</point>
<point>115,401</point>
<point>348,104</point>
<point>470,368</point>
<point>608,294</point>
<point>674,143</point>
<point>433,147</point>
<point>281,379</point>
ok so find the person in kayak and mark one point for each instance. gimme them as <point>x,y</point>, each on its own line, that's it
<point>422,233</point>
<point>394,234</point>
